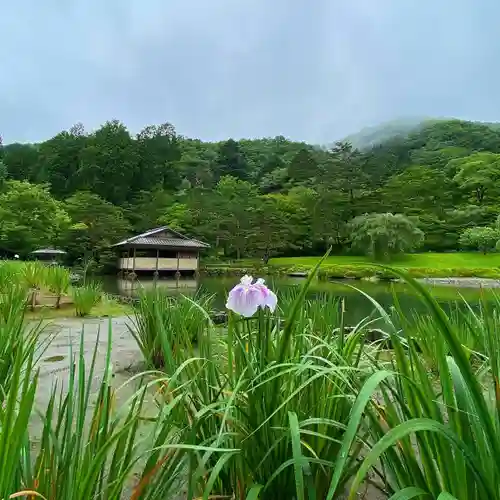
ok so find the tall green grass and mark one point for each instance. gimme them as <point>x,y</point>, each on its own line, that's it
<point>58,281</point>
<point>435,428</point>
<point>312,409</point>
<point>86,297</point>
<point>88,454</point>
<point>33,277</point>
<point>16,336</point>
<point>276,389</point>
<point>89,447</point>
<point>165,327</point>
<point>20,348</point>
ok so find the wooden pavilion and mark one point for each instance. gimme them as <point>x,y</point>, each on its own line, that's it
<point>160,250</point>
<point>49,255</point>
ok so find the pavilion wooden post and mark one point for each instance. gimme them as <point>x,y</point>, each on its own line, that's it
<point>155,274</point>
<point>177,273</point>
<point>133,262</point>
<point>197,271</point>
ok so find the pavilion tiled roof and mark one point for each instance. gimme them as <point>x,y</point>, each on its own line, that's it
<point>149,239</point>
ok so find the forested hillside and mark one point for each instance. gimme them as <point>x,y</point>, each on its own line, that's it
<point>263,197</point>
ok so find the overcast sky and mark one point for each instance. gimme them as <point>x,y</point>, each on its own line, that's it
<point>313,70</point>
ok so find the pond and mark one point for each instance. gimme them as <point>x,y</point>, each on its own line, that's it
<point>357,306</point>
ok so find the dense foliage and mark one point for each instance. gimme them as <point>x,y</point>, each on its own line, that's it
<point>263,197</point>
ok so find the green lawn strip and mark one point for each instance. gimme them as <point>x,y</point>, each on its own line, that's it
<point>419,265</point>
<point>422,260</point>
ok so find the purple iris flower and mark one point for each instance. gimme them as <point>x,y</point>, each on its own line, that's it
<point>247,297</point>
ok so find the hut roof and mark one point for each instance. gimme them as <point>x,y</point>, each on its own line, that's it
<point>162,237</point>
<point>49,251</point>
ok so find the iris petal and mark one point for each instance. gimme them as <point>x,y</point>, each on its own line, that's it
<point>246,298</point>
<point>271,300</point>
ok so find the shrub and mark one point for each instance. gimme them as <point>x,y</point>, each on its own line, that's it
<point>58,280</point>
<point>33,276</point>
<point>164,326</point>
<point>86,297</point>
<point>483,239</point>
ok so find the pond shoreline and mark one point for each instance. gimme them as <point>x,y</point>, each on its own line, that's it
<point>462,282</point>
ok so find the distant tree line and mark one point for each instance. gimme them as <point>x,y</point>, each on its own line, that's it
<point>432,189</point>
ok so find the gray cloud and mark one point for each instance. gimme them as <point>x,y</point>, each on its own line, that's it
<point>312,70</point>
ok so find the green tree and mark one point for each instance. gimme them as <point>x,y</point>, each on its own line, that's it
<point>21,160</point>
<point>272,163</point>
<point>438,158</point>
<point>147,207</point>
<point>384,235</point>
<point>157,149</point>
<point>59,161</point>
<point>420,188</point>
<point>274,181</point>
<point>234,202</point>
<point>274,226</point>
<point>3,174</point>
<point>346,169</point>
<point>324,213</point>
<point>303,166</point>
<point>230,160</point>
<point>439,235</point>
<point>109,163</point>
<point>179,217</point>
<point>30,217</point>
<point>97,224</point>
<point>467,216</point>
<point>483,239</point>
<point>477,174</point>
<point>198,171</point>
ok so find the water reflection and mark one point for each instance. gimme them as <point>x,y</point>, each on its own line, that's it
<point>129,288</point>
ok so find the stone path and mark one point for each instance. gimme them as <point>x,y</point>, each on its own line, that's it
<point>55,361</point>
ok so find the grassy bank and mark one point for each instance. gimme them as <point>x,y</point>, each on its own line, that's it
<point>420,265</point>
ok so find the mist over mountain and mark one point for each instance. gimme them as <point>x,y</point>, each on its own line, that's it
<point>377,134</point>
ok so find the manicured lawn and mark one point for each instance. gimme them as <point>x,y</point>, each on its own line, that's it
<point>424,260</point>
